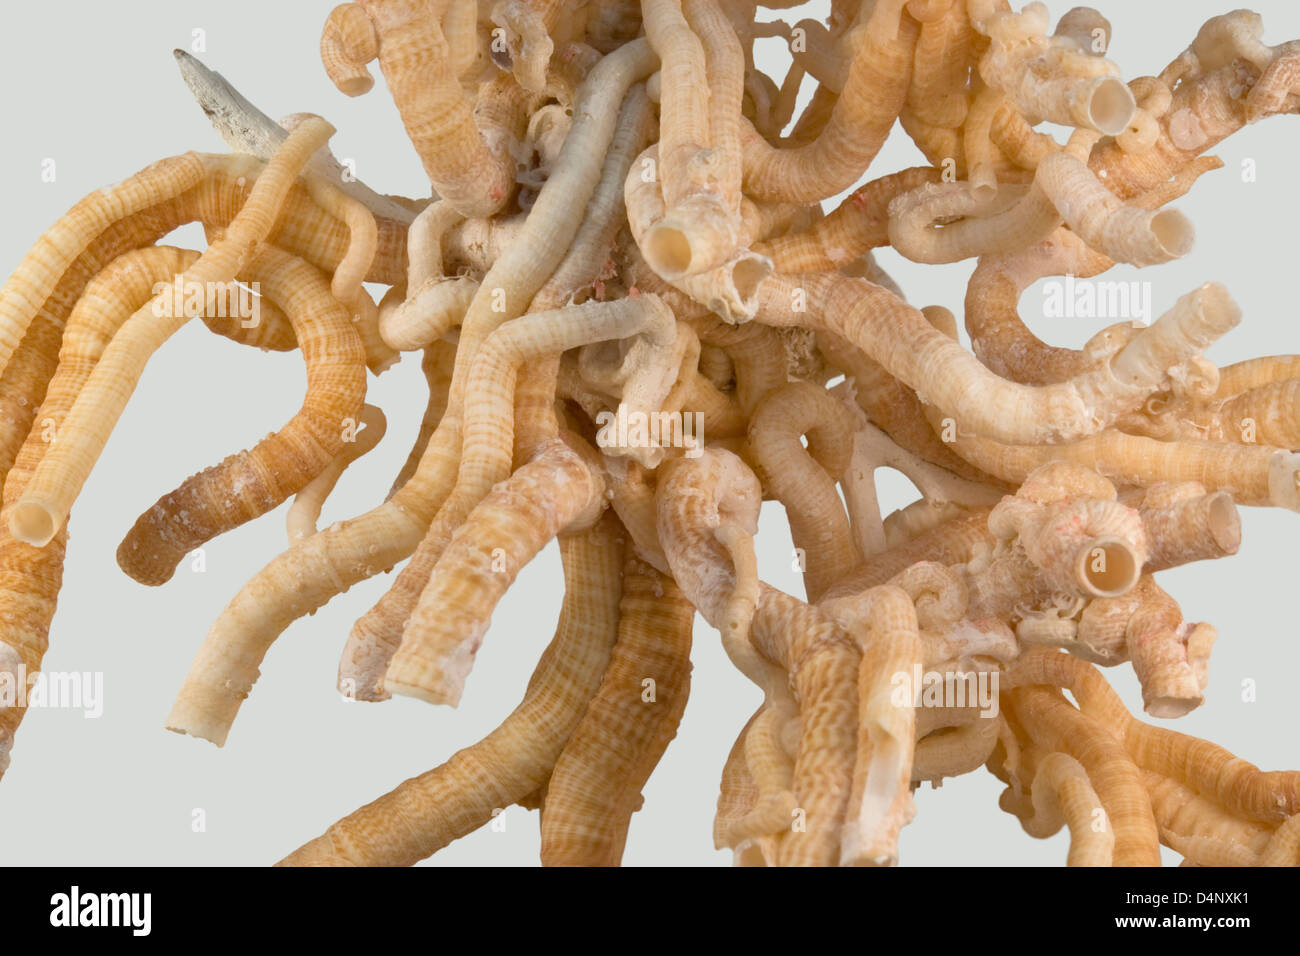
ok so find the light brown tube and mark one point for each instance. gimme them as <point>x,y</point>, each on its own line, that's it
<point>345,283</point>
<point>436,368</point>
<point>803,479</point>
<point>347,43</point>
<point>937,94</point>
<point>557,492</point>
<point>706,509</point>
<point>883,623</point>
<point>1252,373</point>
<point>302,228</point>
<point>1199,528</point>
<point>748,821</point>
<point>1239,786</point>
<point>1253,474</point>
<point>25,378</point>
<point>874,94</point>
<point>824,667</point>
<point>859,224</point>
<point>464,169</point>
<point>1170,656</point>
<point>250,483</point>
<point>1055,725</point>
<point>427,812</point>
<point>1202,830</point>
<point>599,776</point>
<point>361,436</point>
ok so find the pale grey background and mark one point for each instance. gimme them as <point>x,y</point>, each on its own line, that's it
<point>93,86</point>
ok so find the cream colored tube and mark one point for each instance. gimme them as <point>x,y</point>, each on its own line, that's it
<point>984,229</point>
<point>346,283</point>
<point>911,349</point>
<point>429,313</point>
<point>1062,792</point>
<point>883,623</point>
<point>699,179</point>
<point>1122,232</point>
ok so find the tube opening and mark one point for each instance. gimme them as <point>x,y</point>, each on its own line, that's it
<point>355,85</point>
<point>1108,567</point>
<point>983,190</point>
<point>1224,522</point>
<point>747,275</point>
<point>425,694</point>
<point>197,729</point>
<point>1174,232</point>
<point>1169,708</point>
<point>1111,107</point>
<point>668,251</point>
<point>33,523</point>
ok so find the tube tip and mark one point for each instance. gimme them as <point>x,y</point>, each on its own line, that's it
<point>33,522</point>
<point>1218,306</point>
<point>1174,234</point>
